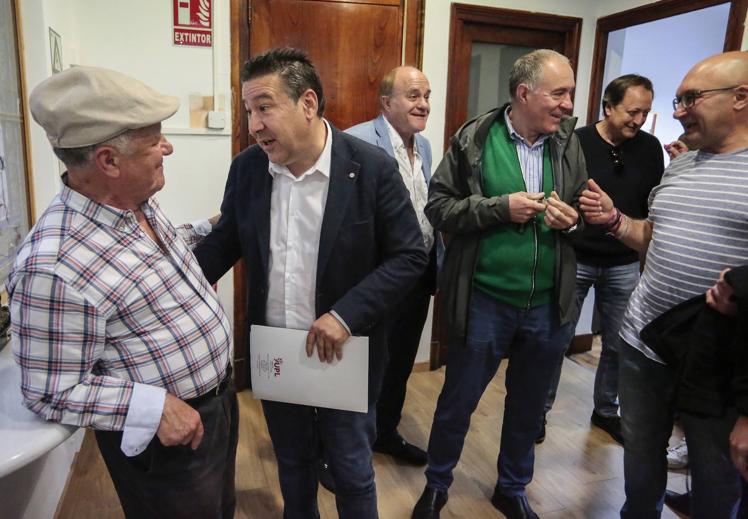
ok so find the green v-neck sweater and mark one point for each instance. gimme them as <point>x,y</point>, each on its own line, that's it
<point>516,262</point>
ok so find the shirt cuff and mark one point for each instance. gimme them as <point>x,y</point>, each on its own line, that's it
<point>143,418</point>
<point>202,227</point>
<point>341,321</point>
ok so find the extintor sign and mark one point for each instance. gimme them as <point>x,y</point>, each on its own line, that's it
<point>193,23</point>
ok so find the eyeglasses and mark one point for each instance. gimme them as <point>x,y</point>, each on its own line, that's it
<point>688,98</point>
<point>616,155</point>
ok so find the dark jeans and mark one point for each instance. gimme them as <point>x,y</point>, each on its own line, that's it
<point>297,431</point>
<point>647,420</point>
<point>407,320</point>
<point>177,482</point>
<point>613,287</point>
<point>533,341</point>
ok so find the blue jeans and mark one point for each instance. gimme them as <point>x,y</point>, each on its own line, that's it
<point>613,287</point>
<point>347,436</point>
<point>533,342</point>
<point>647,421</point>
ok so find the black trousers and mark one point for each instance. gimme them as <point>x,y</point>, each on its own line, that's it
<point>406,324</point>
<point>177,482</point>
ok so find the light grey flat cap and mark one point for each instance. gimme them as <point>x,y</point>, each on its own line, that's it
<point>83,106</point>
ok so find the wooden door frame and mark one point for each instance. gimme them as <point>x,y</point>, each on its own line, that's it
<point>241,18</point>
<point>651,13</point>
<point>458,72</point>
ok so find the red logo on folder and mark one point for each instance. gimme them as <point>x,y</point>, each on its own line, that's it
<point>193,23</point>
<point>277,363</point>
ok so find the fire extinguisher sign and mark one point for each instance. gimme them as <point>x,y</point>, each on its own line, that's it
<point>193,23</point>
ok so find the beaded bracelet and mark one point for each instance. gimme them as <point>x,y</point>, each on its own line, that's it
<point>624,229</point>
<point>614,221</point>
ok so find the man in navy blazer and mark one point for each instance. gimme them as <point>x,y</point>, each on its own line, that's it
<point>404,97</point>
<point>330,241</point>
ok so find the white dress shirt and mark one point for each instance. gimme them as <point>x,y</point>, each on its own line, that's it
<point>297,206</point>
<point>414,180</point>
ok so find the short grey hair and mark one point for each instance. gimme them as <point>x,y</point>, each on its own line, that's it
<point>81,157</point>
<point>528,68</point>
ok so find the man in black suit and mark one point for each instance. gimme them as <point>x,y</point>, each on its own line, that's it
<point>331,242</point>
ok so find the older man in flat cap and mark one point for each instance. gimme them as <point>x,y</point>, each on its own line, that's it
<point>114,325</point>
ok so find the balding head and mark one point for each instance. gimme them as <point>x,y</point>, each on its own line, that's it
<point>404,95</point>
<point>728,66</point>
<point>713,107</point>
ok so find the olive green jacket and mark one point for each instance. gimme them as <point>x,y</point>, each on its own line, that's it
<point>458,208</point>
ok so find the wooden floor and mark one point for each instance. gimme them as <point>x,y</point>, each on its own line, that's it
<point>578,469</point>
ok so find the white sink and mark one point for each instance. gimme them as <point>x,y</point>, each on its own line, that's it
<point>23,435</point>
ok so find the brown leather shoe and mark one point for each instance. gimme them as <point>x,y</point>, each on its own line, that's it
<point>430,504</point>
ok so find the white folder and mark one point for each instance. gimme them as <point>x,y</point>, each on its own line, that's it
<point>282,372</point>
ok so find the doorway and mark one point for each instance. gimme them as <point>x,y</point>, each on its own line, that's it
<point>671,32</point>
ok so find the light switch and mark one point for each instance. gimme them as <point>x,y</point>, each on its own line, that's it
<point>216,120</point>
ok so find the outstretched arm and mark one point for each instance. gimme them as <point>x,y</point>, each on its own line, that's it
<point>598,209</point>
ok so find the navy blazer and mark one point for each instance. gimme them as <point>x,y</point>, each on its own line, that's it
<point>370,250</point>
<point>376,132</point>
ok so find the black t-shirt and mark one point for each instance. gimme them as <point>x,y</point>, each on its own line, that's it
<point>628,185</point>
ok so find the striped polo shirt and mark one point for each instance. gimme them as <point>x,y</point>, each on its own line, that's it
<point>700,226</point>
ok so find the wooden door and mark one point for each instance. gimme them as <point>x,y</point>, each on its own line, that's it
<point>352,43</point>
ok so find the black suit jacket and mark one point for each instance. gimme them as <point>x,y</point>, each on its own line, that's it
<point>370,251</point>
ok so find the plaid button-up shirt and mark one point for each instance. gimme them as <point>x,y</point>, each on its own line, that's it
<point>97,308</point>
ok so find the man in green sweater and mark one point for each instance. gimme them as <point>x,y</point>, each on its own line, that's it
<point>506,195</point>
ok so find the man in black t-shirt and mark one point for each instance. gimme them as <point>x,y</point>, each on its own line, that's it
<point>627,163</point>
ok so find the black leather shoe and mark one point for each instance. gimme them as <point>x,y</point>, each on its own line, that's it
<point>680,503</point>
<point>609,424</point>
<point>398,448</point>
<point>429,504</point>
<point>541,437</point>
<point>325,476</point>
<point>513,507</point>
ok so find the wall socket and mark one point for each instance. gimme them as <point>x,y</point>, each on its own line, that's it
<point>216,120</point>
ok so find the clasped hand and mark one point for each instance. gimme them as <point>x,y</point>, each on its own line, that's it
<point>558,214</point>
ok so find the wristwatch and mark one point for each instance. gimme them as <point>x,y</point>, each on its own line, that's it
<point>571,229</point>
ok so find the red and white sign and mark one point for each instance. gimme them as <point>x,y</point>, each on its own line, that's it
<point>193,23</point>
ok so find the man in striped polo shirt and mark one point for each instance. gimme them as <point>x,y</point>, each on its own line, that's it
<point>697,226</point>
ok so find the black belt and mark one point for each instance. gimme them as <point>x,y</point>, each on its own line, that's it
<point>216,391</point>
